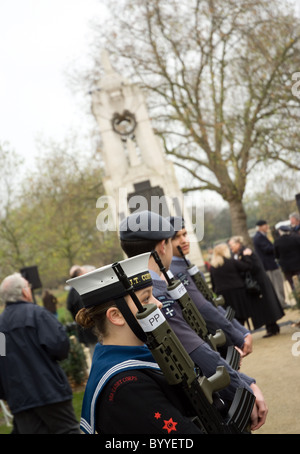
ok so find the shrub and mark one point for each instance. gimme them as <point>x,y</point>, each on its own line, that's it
<point>75,365</point>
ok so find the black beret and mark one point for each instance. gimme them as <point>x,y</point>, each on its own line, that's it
<point>177,222</point>
<point>285,228</point>
<point>145,225</point>
<point>261,222</point>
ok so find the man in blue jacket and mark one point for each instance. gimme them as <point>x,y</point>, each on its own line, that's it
<point>31,380</point>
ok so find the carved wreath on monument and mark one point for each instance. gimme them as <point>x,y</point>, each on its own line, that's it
<point>124,124</point>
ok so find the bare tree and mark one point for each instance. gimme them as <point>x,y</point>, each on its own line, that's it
<point>218,75</point>
<point>11,230</point>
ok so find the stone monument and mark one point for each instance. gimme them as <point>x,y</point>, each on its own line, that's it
<point>137,174</point>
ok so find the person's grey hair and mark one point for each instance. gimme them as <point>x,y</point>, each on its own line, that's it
<point>75,270</point>
<point>295,215</point>
<point>11,288</point>
<point>88,268</point>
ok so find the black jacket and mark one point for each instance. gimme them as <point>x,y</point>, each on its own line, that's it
<point>30,375</point>
<point>266,308</point>
<point>287,251</point>
<point>228,276</point>
<point>141,401</point>
<point>264,248</point>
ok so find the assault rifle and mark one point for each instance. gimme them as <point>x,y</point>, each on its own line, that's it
<point>179,370</point>
<point>189,311</point>
<point>194,318</point>
<point>202,286</point>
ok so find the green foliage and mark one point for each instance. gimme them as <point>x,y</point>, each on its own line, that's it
<point>217,226</point>
<point>274,201</point>
<point>77,403</point>
<point>53,225</point>
<point>64,316</point>
<point>75,365</point>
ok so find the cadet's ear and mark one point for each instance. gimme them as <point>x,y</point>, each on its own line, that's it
<point>161,247</point>
<point>114,316</point>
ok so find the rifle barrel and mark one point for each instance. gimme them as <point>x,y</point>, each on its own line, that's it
<point>127,285</point>
<point>182,255</point>
<point>161,267</point>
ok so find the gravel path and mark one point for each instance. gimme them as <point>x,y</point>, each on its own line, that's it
<point>275,364</point>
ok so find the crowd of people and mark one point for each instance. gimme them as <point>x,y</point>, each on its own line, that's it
<point>252,280</point>
<point>126,377</point>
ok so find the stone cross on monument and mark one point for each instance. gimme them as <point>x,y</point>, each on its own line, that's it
<point>137,174</point>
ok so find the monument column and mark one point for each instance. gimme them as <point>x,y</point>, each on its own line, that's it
<point>134,161</point>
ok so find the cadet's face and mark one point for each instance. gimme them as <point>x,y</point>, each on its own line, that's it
<point>145,297</point>
<point>181,239</point>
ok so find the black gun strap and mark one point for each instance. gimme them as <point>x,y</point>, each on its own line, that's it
<point>130,319</point>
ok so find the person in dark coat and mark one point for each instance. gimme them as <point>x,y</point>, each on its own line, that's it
<point>264,248</point>
<point>287,252</point>
<point>266,308</point>
<point>74,304</point>
<point>50,302</point>
<point>31,380</point>
<point>226,280</point>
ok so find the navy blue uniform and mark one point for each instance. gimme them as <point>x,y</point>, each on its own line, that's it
<point>214,317</point>
<point>201,353</point>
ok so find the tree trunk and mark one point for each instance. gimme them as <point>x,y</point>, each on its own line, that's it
<point>239,221</point>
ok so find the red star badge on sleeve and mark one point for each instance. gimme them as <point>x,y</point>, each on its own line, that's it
<point>170,425</point>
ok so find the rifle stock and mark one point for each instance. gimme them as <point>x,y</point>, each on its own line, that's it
<point>189,311</point>
<point>233,357</point>
<point>229,313</point>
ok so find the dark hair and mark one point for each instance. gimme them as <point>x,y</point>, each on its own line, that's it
<point>94,317</point>
<point>133,248</point>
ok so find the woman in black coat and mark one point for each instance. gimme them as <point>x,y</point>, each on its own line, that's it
<point>226,279</point>
<point>265,306</point>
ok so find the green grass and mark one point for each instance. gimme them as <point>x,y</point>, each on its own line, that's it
<point>4,429</point>
<point>77,401</point>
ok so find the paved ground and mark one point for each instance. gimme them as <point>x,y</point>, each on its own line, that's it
<point>276,368</point>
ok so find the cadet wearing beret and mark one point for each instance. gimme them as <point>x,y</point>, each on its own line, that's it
<point>146,231</point>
